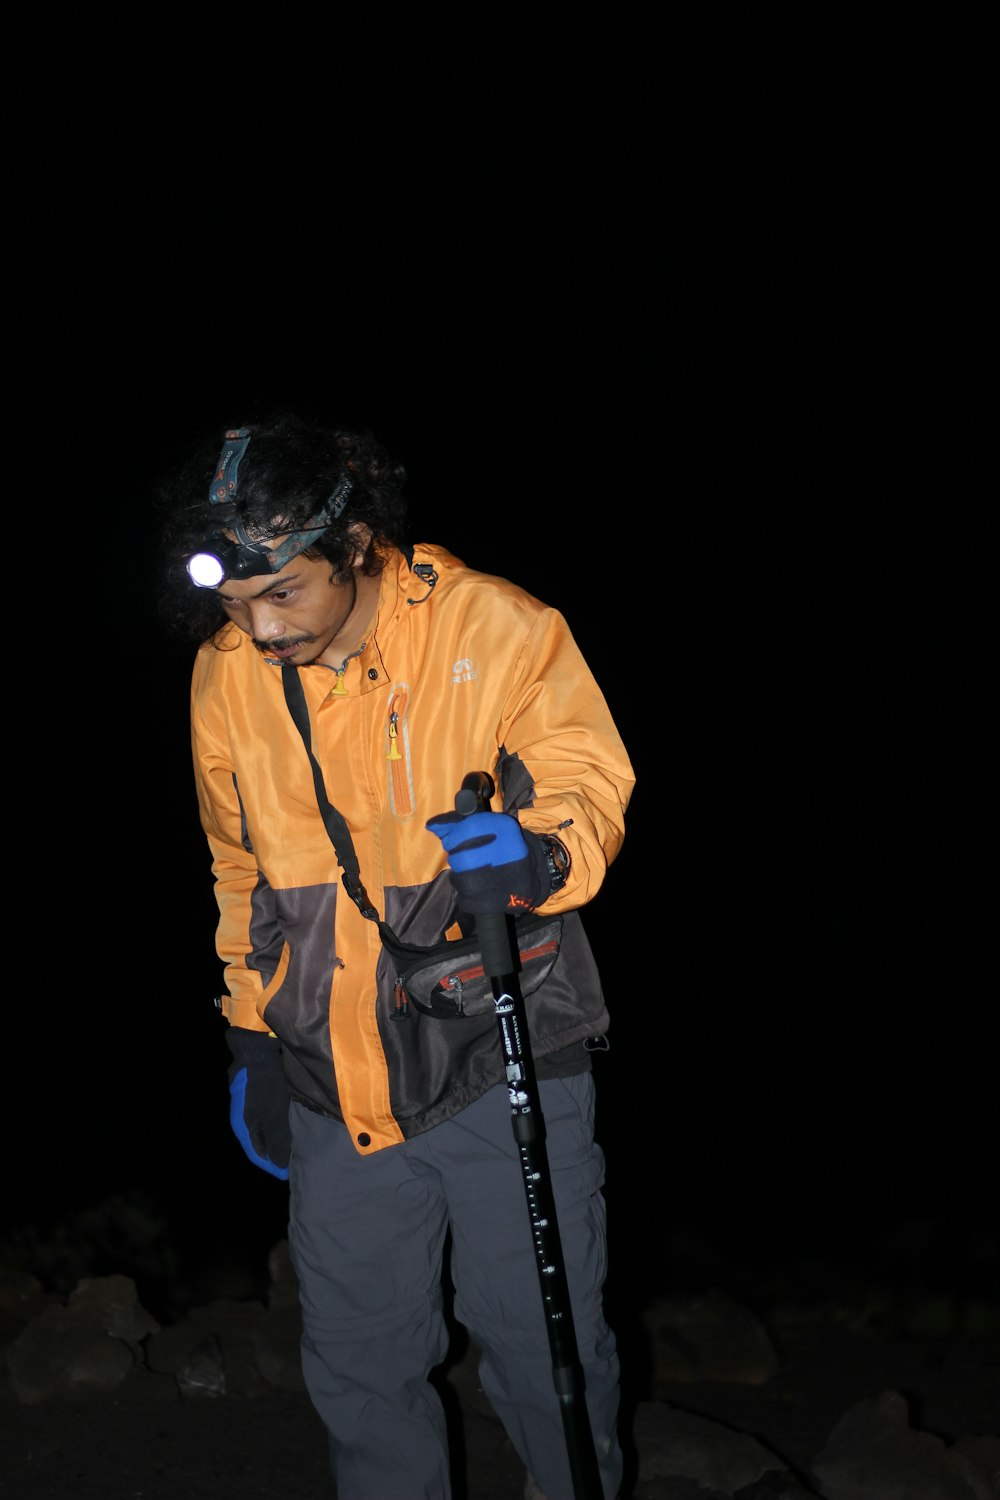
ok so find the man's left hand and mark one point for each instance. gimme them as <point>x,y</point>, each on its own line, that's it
<point>496,865</point>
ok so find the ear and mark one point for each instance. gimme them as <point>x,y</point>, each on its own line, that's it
<point>360,536</point>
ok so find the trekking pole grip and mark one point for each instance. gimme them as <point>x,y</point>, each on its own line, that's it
<point>492,928</point>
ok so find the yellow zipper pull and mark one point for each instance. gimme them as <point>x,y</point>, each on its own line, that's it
<point>340,691</point>
<point>393,737</point>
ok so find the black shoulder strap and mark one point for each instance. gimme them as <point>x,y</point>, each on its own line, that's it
<point>340,834</point>
<point>338,830</point>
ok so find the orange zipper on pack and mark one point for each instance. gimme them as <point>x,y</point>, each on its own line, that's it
<point>462,976</point>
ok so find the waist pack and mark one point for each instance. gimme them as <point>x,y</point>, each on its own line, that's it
<point>448,981</point>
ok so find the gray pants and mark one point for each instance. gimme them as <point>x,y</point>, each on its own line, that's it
<point>367,1237</point>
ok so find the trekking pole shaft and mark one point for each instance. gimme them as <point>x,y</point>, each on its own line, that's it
<point>529,1134</point>
<point>499,949</point>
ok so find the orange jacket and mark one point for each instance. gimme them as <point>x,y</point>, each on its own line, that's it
<point>462,672</point>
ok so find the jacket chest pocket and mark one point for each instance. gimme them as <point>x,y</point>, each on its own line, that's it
<point>397,754</point>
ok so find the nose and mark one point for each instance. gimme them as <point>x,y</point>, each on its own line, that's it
<point>265,624</point>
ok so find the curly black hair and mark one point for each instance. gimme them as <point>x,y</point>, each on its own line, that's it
<point>288,472</point>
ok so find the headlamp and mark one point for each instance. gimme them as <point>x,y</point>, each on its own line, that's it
<point>230,551</point>
<point>228,557</point>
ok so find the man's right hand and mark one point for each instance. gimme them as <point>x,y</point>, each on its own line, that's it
<point>259,1098</point>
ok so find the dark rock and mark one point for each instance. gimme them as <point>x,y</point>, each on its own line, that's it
<point>683,1445</point>
<point>212,1351</point>
<point>873,1452</point>
<point>709,1338</point>
<point>87,1346</point>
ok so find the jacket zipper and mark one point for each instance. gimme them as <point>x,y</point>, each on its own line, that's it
<point>397,755</point>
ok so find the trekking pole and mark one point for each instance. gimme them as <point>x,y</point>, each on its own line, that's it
<point>500,963</point>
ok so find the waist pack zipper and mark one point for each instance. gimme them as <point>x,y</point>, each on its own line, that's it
<point>464,976</point>
<point>454,983</point>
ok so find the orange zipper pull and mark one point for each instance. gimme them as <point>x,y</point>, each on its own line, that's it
<point>402,1011</point>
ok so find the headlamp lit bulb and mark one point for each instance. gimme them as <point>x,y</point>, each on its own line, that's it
<point>231,555</point>
<point>206,570</point>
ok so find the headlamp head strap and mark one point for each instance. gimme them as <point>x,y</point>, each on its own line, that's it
<point>222,490</point>
<point>248,555</point>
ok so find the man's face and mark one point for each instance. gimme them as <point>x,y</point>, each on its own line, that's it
<point>295,614</point>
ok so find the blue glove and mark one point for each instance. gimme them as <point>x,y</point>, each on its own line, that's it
<point>258,1099</point>
<point>496,865</point>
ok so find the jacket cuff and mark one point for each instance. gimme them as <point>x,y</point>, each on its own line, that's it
<point>549,865</point>
<point>252,1047</point>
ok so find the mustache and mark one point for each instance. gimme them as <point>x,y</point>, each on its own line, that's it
<point>283,643</point>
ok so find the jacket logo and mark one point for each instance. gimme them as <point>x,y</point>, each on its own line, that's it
<point>463,670</point>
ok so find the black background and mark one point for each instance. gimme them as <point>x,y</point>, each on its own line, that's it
<point>675,323</point>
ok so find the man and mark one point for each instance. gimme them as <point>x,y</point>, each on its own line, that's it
<point>406,672</point>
